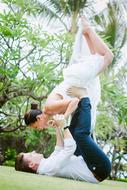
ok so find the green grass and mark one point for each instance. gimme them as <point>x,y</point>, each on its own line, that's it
<point>13,180</point>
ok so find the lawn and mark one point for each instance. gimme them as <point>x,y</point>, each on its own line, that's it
<point>13,180</point>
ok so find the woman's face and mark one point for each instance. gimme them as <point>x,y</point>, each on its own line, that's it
<point>41,122</point>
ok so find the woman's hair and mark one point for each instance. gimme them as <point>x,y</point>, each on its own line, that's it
<point>31,116</point>
<point>22,165</point>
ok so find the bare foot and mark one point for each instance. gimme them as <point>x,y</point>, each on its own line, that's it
<point>77,92</point>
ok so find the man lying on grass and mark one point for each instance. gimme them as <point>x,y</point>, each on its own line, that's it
<point>86,161</point>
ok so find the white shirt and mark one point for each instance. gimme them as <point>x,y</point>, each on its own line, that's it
<point>83,73</point>
<point>63,163</point>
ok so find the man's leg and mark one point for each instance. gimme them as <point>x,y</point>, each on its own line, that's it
<point>95,158</point>
<point>79,93</point>
<point>72,129</point>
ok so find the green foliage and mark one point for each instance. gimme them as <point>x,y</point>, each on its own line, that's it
<point>27,70</point>
<point>114,96</point>
<point>111,123</point>
<point>10,155</point>
<point>31,63</point>
<point>41,141</point>
<point>29,7</point>
<point>56,10</point>
<point>112,25</point>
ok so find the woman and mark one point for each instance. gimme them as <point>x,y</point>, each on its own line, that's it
<point>81,75</point>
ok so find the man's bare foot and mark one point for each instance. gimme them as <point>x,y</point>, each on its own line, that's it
<point>77,92</point>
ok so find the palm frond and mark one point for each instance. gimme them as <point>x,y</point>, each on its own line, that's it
<point>51,9</point>
<point>111,22</point>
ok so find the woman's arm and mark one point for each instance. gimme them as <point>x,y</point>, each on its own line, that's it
<point>72,106</point>
<point>56,107</point>
<point>60,106</point>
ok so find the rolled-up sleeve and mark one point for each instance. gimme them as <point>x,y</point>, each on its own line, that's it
<point>57,161</point>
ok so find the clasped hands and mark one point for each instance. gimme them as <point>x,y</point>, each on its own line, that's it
<point>58,120</point>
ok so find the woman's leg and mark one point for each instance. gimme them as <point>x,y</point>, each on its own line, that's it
<point>95,158</point>
<point>90,44</point>
<point>94,39</point>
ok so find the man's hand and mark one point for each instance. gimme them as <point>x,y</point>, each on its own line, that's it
<point>57,121</point>
<point>52,123</point>
<point>78,92</point>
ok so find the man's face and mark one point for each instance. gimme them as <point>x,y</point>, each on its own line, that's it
<point>32,157</point>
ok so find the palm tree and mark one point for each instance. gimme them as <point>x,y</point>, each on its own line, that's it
<point>113,26</point>
<point>57,9</point>
<point>63,8</point>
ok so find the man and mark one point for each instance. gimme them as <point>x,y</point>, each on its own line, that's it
<point>89,163</point>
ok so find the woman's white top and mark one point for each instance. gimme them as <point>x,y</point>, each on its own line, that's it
<point>83,73</point>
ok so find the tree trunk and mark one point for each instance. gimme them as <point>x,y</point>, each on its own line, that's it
<point>74,18</point>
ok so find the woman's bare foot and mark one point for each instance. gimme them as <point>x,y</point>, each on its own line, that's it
<point>77,92</point>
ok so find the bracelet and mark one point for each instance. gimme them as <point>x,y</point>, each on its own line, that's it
<point>66,127</point>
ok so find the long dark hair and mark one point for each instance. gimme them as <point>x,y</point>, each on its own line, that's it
<point>31,116</point>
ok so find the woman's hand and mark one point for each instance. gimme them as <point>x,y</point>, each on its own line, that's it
<point>52,123</point>
<point>78,92</point>
<point>60,120</point>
